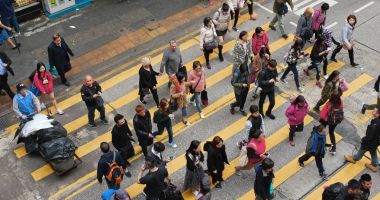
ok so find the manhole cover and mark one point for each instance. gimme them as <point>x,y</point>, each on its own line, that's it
<point>152,24</point>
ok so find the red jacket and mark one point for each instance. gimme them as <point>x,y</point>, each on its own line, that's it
<point>38,82</point>
<point>324,114</point>
<point>258,42</point>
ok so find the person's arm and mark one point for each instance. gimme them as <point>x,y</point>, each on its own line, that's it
<point>15,108</point>
<point>67,48</point>
<point>5,58</point>
<point>38,84</point>
<point>215,17</point>
<point>290,2</point>
<point>300,24</point>
<point>163,61</point>
<point>173,93</point>
<point>263,129</point>
<point>202,37</point>
<point>5,27</point>
<point>189,163</point>
<point>36,102</point>
<point>255,51</point>
<point>144,80</point>
<point>139,131</point>
<point>99,173</point>
<point>235,82</point>
<point>290,112</point>
<point>345,36</point>
<point>251,153</point>
<point>140,178</point>
<point>51,57</point>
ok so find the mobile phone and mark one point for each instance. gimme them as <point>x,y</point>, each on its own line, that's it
<point>266,154</point>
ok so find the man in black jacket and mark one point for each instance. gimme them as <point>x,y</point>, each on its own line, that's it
<point>365,186</point>
<point>267,79</point>
<point>122,137</point>
<point>142,124</point>
<point>91,94</point>
<point>155,152</point>
<point>58,52</point>
<point>350,192</point>
<point>264,180</point>
<point>370,142</point>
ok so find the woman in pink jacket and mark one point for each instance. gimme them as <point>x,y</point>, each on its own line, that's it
<point>319,19</point>
<point>197,79</point>
<point>259,39</point>
<point>43,80</point>
<point>296,114</point>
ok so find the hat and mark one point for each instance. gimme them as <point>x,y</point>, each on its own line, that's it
<point>20,86</point>
<point>225,7</point>
<point>258,30</point>
<point>121,194</point>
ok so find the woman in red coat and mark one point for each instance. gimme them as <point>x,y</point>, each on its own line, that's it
<point>43,80</point>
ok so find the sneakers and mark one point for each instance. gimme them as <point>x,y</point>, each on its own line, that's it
<point>301,164</point>
<point>243,112</point>
<point>363,108</point>
<point>201,115</point>
<point>270,115</point>
<point>128,174</point>
<point>333,59</point>
<point>172,145</point>
<point>284,81</point>
<point>306,71</point>
<point>186,123</point>
<point>319,84</point>
<point>332,151</point>
<point>326,77</point>
<point>324,176</point>
<point>193,103</point>
<point>43,107</point>
<point>354,64</point>
<point>237,172</point>
<point>272,27</point>
<point>143,101</point>
<point>18,45</point>
<point>285,36</point>
<point>105,122</point>
<point>235,29</point>
<point>60,112</point>
<point>350,159</point>
<point>67,84</point>
<point>371,167</point>
<point>208,65</point>
<point>300,90</point>
<point>292,143</point>
<point>92,125</point>
<point>221,57</point>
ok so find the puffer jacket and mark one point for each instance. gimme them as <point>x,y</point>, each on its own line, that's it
<point>239,52</point>
<point>319,19</point>
<point>277,4</point>
<point>295,113</point>
<point>346,35</point>
<point>222,22</point>
<point>207,35</point>
<point>258,42</point>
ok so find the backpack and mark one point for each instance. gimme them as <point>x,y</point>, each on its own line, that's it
<point>116,172</point>
<point>336,116</point>
<point>332,191</point>
<point>171,193</point>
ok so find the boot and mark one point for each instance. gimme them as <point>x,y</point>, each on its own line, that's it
<point>350,159</point>
<point>316,107</point>
<point>371,167</point>
<point>220,48</point>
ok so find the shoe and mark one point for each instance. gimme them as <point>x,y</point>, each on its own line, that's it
<point>285,36</point>
<point>143,101</point>
<point>306,71</point>
<point>364,107</point>
<point>324,176</point>
<point>60,112</point>
<point>354,64</point>
<point>105,122</point>
<point>235,29</point>
<point>232,110</point>
<point>292,143</point>
<point>18,45</point>
<point>92,125</point>
<point>270,115</point>
<point>371,167</point>
<point>218,185</point>
<point>326,77</point>
<point>300,90</point>
<point>195,192</point>
<point>128,174</point>
<point>301,164</point>
<point>315,109</point>
<point>284,81</point>
<point>319,84</point>
<point>201,115</point>
<point>332,151</point>
<point>221,57</point>
<point>333,59</point>
<point>350,159</point>
<point>193,103</point>
<point>272,27</point>
<point>67,84</point>
<point>43,107</point>
<point>243,113</point>
<point>208,65</point>
<point>172,145</point>
<point>186,123</point>
<point>237,172</point>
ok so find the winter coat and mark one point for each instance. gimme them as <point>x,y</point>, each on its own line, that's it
<point>372,136</point>
<point>319,18</point>
<point>343,195</point>
<point>180,97</point>
<point>142,126</point>
<point>325,112</point>
<point>221,22</point>
<point>263,183</point>
<point>264,78</point>
<point>240,52</point>
<point>121,137</point>
<point>346,35</point>
<point>258,42</point>
<point>216,157</point>
<point>316,144</point>
<point>208,34</point>
<point>295,113</point>
<point>87,93</point>
<point>38,82</point>
<point>238,80</point>
<point>147,79</point>
<point>304,26</point>
<point>277,4</point>
<point>193,76</point>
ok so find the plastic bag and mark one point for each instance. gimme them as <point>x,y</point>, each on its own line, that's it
<point>39,122</point>
<point>57,150</point>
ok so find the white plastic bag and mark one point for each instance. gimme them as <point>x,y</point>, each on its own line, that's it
<point>39,122</point>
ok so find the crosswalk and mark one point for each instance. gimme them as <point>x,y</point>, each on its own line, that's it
<point>228,130</point>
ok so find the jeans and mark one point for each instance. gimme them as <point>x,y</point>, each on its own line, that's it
<point>91,113</point>
<point>154,94</point>
<point>350,53</point>
<point>112,185</point>
<point>4,85</point>
<point>235,16</point>
<point>316,65</point>
<point>293,129</point>
<point>262,100</point>
<point>197,98</point>
<point>331,133</point>
<point>318,161</point>
<point>11,20</point>
<point>293,68</point>
<point>169,127</point>
<point>278,18</point>
<point>240,99</point>
<point>361,153</point>
<point>325,64</point>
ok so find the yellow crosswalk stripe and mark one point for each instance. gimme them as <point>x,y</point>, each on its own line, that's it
<point>357,84</point>
<point>377,197</point>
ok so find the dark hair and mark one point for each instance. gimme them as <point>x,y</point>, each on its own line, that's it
<point>105,147</point>
<point>56,36</point>
<point>242,34</point>
<point>206,20</point>
<point>258,30</point>
<point>159,147</point>
<point>365,177</point>
<point>333,74</point>
<point>320,40</point>
<point>263,51</point>
<point>243,68</point>
<point>335,100</point>
<point>297,44</point>
<point>196,64</point>
<point>325,6</point>
<point>257,133</point>
<point>320,128</point>
<point>163,103</point>
<point>272,63</point>
<point>253,108</point>
<point>39,65</point>
<point>150,162</point>
<point>225,7</point>
<point>352,17</point>
<point>180,76</point>
<point>216,141</point>
<point>193,145</point>
<point>353,184</point>
<point>267,164</point>
<point>118,117</point>
<point>299,99</point>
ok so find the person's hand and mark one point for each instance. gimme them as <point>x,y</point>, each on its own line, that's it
<point>9,29</point>
<point>150,135</point>
<point>267,56</point>
<point>43,93</point>
<point>23,116</point>
<point>262,156</point>
<point>214,171</point>
<point>160,74</point>
<point>244,85</point>
<point>38,110</point>
<point>5,65</point>
<point>277,79</point>
<point>142,168</point>
<point>349,47</point>
<point>95,95</point>
<point>193,81</point>
<point>154,88</point>
<point>201,48</point>
<point>271,80</point>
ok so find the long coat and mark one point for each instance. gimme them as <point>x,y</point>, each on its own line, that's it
<point>59,56</point>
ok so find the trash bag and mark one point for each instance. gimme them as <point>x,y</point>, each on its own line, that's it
<point>45,135</point>
<point>31,145</point>
<point>39,122</point>
<point>59,149</point>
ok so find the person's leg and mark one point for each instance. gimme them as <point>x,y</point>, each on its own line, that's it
<point>274,21</point>
<point>292,131</point>
<point>5,86</point>
<point>169,83</point>
<point>160,130</point>
<point>61,73</point>
<point>373,106</point>
<point>336,51</point>
<point>237,11</point>
<point>91,114</point>
<point>359,155</point>
<point>237,102</point>
<point>300,127</point>
<point>219,175</point>
<point>261,102</point>
<point>197,98</point>
<point>243,95</point>
<point>220,52</point>
<point>287,70</point>
<point>319,104</point>
<point>102,112</point>
<point>373,157</point>
<point>272,102</point>
<point>325,64</point>
<point>281,24</point>
<point>293,67</point>
<point>144,146</point>
<point>351,56</point>
<point>155,96</point>
<point>318,161</point>
<point>142,95</point>
<point>332,137</point>
<point>169,128</point>
<point>304,158</point>
<point>317,75</point>
<point>248,166</point>
<point>15,23</point>
<point>54,101</point>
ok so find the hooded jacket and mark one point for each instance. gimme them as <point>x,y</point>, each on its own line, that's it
<point>319,18</point>
<point>316,144</point>
<point>295,113</point>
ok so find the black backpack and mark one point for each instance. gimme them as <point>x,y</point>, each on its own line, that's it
<point>332,191</point>
<point>336,116</point>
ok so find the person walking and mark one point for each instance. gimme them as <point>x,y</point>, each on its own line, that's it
<point>260,62</point>
<point>369,142</point>
<point>252,16</point>
<point>242,50</point>
<point>365,186</point>
<point>263,186</point>
<point>296,114</point>
<point>104,165</point>
<point>148,81</point>
<point>316,147</point>
<point>280,9</point>
<point>4,36</point>
<point>240,82</point>
<point>25,103</point>
<point>320,49</point>
<point>347,41</point>
<point>267,79</point>
<point>319,19</point>
<point>260,39</point>
<point>208,40</point>
<point>179,96</point>
<point>254,123</point>
<point>373,106</point>
<point>162,117</point>
<point>197,79</point>
<point>171,60</point>
<point>222,22</point>
<point>294,54</point>
<point>256,148</point>
<point>4,68</point>
<point>329,41</point>
<point>155,151</point>
<point>122,138</point>
<point>331,85</point>
<point>194,169</point>
<point>43,80</point>
<point>58,53</point>
<point>350,192</point>
<point>331,115</point>
<point>142,124</point>
<point>8,15</point>
<point>216,157</point>
<point>91,93</point>
<point>235,6</point>
<point>304,29</point>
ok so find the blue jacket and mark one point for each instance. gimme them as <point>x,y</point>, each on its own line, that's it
<point>6,8</point>
<point>316,144</point>
<point>103,167</point>
<point>25,105</point>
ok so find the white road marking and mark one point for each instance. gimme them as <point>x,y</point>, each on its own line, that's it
<point>331,25</point>
<point>364,7</point>
<point>300,11</point>
<point>294,24</point>
<point>263,7</point>
<point>301,4</point>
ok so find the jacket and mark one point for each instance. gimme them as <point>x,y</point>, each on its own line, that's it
<point>314,55</point>
<point>234,4</point>
<point>296,114</point>
<point>277,4</point>
<point>343,195</point>
<point>328,88</point>
<point>371,140</point>
<point>121,136</point>
<point>258,42</point>
<point>161,118</point>
<point>304,25</point>
<point>238,80</point>
<point>142,126</point>
<point>25,105</point>
<point>147,79</point>
<point>319,18</point>
<point>38,82</point>
<point>346,35</point>
<point>59,56</point>
<point>216,157</point>
<point>193,161</point>
<point>103,167</point>
<point>254,123</point>
<point>193,76</point>
<point>221,22</point>
<point>87,93</point>
<point>6,8</point>
<point>180,97</point>
<point>208,34</point>
<point>264,78</point>
<point>263,183</point>
<point>259,64</point>
<point>316,144</point>
<point>157,159</point>
<point>240,52</point>
<point>325,112</point>
<point>171,61</point>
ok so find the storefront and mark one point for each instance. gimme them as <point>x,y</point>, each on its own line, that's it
<point>28,9</point>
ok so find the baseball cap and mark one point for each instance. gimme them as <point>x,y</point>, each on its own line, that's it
<point>20,86</point>
<point>122,195</point>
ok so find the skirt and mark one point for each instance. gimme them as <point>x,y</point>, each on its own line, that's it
<point>221,33</point>
<point>193,179</point>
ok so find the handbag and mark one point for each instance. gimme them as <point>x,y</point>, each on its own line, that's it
<point>343,85</point>
<point>192,90</point>
<point>34,90</point>
<point>53,71</point>
<point>204,98</point>
<point>209,46</point>
<point>282,9</point>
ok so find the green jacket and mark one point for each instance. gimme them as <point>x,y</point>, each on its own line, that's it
<point>277,4</point>
<point>238,80</point>
<point>160,118</point>
<point>328,89</point>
